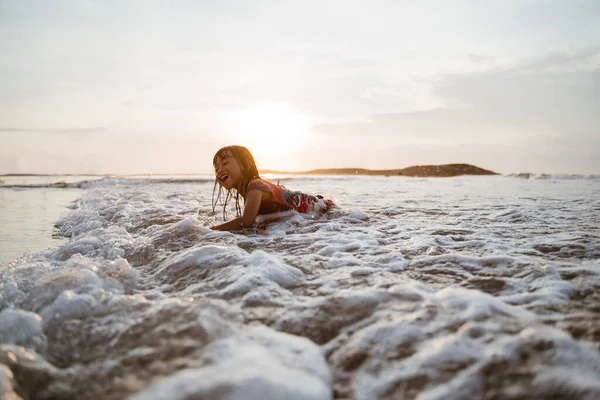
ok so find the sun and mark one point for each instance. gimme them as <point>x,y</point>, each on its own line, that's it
<point>271,131</point>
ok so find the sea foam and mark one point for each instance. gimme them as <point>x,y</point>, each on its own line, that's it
<point>470,287</point>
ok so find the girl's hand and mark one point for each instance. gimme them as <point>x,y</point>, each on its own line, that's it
<point>251,206</point>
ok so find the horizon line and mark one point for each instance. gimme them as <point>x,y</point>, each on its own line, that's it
<point>326,171</point>
<point>323,171</point>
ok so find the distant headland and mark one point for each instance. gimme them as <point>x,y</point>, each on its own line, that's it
<point>422,171</point>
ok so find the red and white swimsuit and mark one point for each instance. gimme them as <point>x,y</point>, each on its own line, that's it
<point>282,199</point>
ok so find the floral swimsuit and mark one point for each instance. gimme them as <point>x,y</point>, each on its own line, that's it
<point>283,199</point>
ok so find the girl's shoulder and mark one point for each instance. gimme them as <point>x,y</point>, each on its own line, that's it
<point>261,184</point>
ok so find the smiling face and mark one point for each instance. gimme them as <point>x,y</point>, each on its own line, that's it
<point>229,172</point>
<point>234,169</point>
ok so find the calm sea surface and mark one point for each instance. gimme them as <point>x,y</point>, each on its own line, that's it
<point>27,215</point>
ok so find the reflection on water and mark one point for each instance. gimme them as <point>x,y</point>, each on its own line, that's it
<point>27,218</point>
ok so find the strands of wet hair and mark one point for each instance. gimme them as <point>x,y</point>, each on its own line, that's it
<point>249,171</point>
<point>229,194</point>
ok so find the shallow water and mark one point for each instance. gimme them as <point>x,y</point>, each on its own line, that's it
<point>469,287</point>
<point>27,219</point>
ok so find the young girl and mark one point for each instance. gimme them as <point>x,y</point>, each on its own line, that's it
<point>237,174</point>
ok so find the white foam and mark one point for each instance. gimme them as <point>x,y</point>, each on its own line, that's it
<point>476,305</point>
<point>118,272</point>
<point>382,337</point>
<point>344,244</point>
<point>205,257</point>
<point>23,328</point>
<point>462,349</point>
<point>82,246</point>
<point>411,291</point>
<point>10,293</point>
<point>581,383</point>
<point>364,271</point>
<point>261,219</point>
<point>261,269</point>
<point>73,223</point>
<point>7,384</point>
<point>405,287</point>
<point>261,364</point>
<point>68,305</point>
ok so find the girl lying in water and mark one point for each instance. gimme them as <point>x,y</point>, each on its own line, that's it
<point>237,175</point>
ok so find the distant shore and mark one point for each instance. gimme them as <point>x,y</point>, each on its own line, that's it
<point>445,170</point>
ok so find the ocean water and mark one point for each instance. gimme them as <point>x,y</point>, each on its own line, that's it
<point>28,214</point>
<point>469,287</point>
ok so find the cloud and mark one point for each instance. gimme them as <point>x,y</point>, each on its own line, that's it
<point>480,59</point>
<point>535,98</point>
<point>540,114</point>
<point>586,58</point>
<point>71,131</point>
<point>555,93</point>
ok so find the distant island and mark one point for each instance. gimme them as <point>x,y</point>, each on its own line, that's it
<point>421,171</point>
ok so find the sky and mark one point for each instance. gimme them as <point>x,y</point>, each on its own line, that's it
<point>148,86</point>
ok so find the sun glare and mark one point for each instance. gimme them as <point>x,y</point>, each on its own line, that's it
<point>271,131</point>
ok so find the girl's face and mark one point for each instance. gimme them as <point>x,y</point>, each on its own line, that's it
<point>229,172</point>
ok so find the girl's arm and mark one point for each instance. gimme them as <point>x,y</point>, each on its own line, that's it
<point>251,206</point>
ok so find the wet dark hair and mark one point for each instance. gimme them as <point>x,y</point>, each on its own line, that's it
<point>249,172</point>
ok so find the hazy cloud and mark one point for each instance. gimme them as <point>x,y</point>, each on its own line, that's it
<point>527,99</point>
<point>72,131</point>
<point>543,110</point>
<point>480,59</point>
<point>536,94</point>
